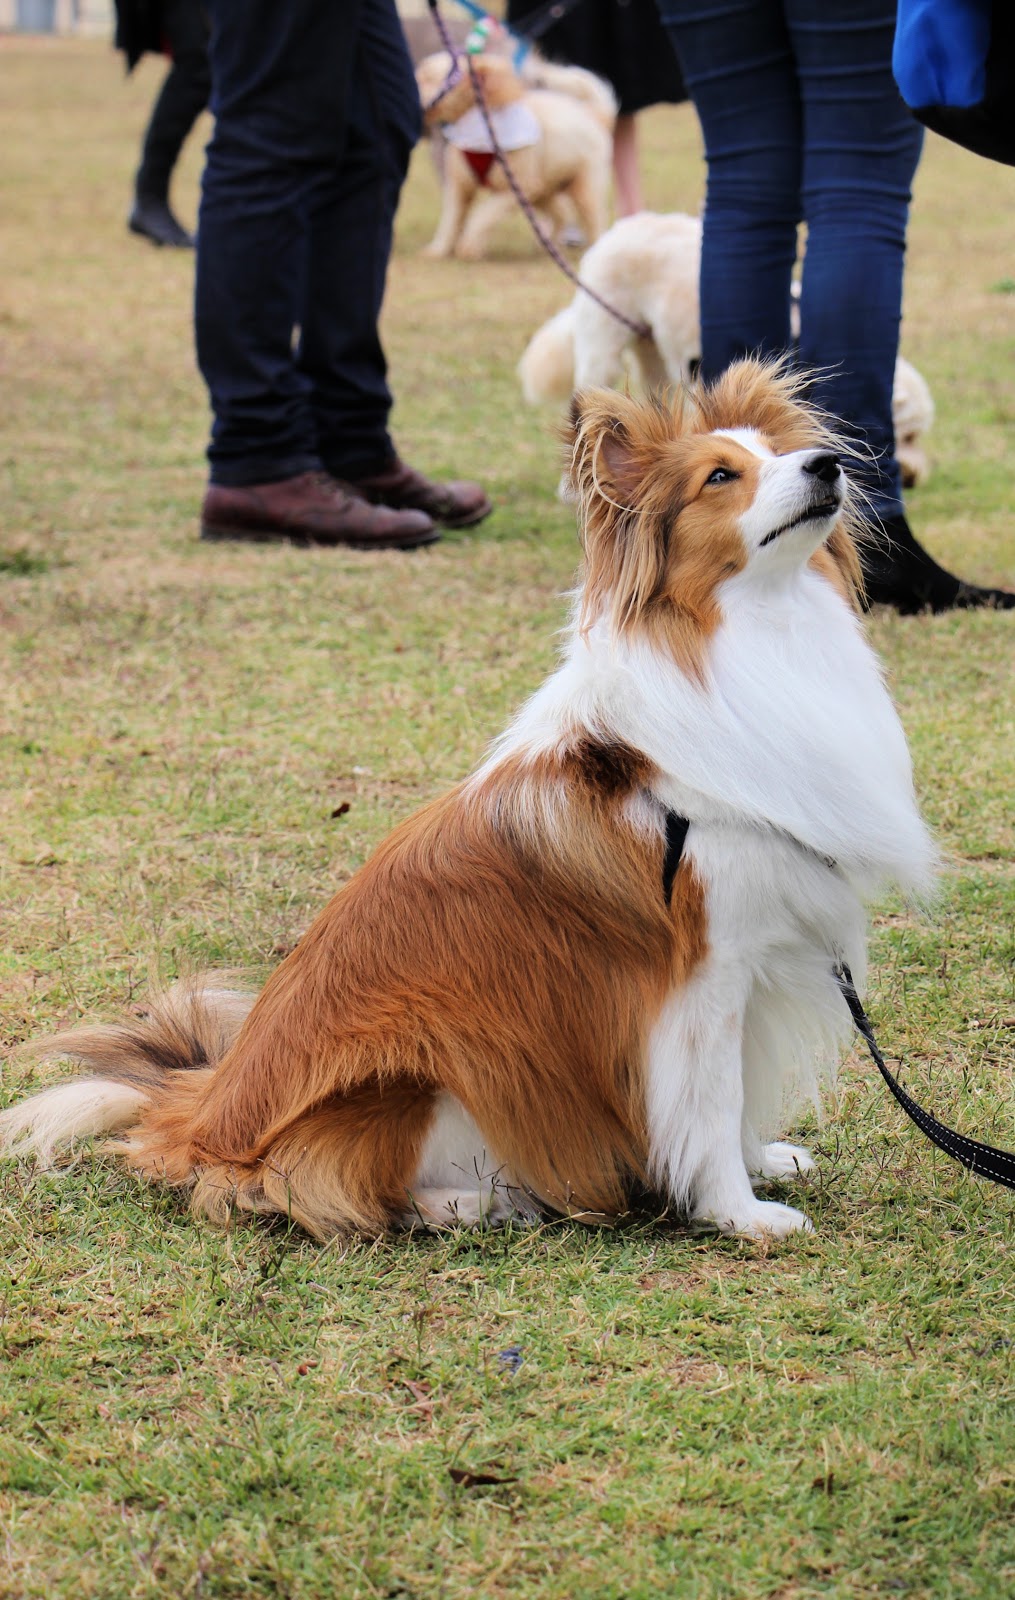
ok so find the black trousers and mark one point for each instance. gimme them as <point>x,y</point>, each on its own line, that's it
<point>182,98</point>
<point>317,113</point>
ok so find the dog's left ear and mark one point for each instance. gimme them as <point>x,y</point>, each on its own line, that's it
<point>612,446</point>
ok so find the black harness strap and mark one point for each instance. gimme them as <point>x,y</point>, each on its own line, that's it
<point>983,1159</point>
<point>676,833</point>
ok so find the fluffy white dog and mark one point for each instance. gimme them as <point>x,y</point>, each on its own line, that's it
<point>647,266</point>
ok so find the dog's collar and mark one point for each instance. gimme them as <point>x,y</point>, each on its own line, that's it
<point>676,828</point>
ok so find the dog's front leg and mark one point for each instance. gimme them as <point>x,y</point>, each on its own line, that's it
<point>456,195</point>
<point>492,207</point>
<point>695,1102</point>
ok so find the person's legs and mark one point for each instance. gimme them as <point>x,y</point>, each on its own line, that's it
<point>351,223</point>
<point>281,86</point>
<point>861,148</point>
<point>626,171</point>
<point>184,95</point>
<point>281,83</point>
<point>316,113</point>
<point>740,73</point>
<point>351,219</point>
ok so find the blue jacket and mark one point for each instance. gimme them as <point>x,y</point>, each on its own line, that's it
<point>954,62</point>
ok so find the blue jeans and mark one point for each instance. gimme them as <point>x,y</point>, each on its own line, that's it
<point>803,123</point>
<point>317,112</point>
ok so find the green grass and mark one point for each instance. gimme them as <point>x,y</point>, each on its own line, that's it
<point>186,1413</point>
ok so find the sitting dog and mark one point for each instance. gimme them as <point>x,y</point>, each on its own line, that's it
<point>558,140</point>
<point>605,960</point>
<point>647,266</point>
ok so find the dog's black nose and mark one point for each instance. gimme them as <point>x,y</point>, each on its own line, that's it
<point>822,464</point>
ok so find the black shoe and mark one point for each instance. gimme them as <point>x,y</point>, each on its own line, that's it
<point>899,572</point>
<point>152,219</point>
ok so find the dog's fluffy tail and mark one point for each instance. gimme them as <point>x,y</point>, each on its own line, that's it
<point>593,92</point>
<point>547,366</point>
<point>175,1038</point>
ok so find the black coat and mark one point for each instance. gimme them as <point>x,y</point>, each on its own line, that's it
<point>138,29</point>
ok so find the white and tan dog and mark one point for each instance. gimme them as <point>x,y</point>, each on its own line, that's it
<point>523,1000</point>
<point>647,266</point>
<point>557,138</point>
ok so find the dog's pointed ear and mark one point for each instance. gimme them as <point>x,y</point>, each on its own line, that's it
<point>613,441</point>
<point>604,457</point>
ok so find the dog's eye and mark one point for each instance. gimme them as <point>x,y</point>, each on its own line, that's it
<point>722,475</point>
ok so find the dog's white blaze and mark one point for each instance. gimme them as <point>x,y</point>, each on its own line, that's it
<point>785,491</point>
<point>750,438</point>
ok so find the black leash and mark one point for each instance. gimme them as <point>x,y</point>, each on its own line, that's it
<point>983,1159</point>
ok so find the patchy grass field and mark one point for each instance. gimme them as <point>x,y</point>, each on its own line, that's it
<point>557,1413</point>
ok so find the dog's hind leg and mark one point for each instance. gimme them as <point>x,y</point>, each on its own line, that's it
<point>588,194</point>
<point>459,1182</point>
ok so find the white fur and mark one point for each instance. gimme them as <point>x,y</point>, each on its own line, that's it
<point>791,765</point>
<point>647,266</point>
<point>51,1123</point>
<point>458,1179</point>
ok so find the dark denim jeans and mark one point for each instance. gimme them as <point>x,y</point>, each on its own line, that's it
<point>803,123</point>
<point>317,113</point>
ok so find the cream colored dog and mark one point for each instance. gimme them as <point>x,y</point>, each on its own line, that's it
<point>558,138</point>
<point>647,266</point>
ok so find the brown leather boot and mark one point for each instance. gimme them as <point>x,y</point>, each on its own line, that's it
<point>455,505</point>
<point>312,508</point>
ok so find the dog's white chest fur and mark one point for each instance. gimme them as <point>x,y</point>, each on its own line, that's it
<point>791,766</point>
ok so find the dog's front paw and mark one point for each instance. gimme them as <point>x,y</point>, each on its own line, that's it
<point>780,1160</point>
<point>765,1220</point>
<point>436,250</point>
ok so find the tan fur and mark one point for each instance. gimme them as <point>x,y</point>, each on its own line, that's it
<point>509,946</point>
<point>460,958</point>
<point>566,173</point>
<point>655,548</point>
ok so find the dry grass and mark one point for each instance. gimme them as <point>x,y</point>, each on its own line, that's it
<point>191,1414</point>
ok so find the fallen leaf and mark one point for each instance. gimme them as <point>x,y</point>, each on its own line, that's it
<point>472,1480</point>
<point>341,809</point>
